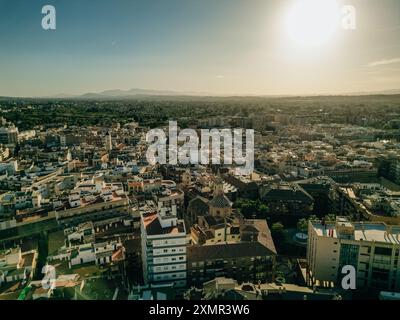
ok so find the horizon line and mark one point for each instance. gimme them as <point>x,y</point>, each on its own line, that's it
<point>175,93</point>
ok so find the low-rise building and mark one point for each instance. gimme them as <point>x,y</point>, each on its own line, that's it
<point>16,265</point>
<point>251,257</point>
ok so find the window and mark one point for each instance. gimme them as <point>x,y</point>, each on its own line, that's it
<point>380,274</point>
<point>348,255</point>
<point>365,265</point>
<point>383,251</point>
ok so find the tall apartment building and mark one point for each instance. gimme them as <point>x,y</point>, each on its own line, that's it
<point>389,167</point>
<point>395,170</point>
<point>372,248</point>
<point>9,135</point>
<point>108,142</point>
<point>163,247</point>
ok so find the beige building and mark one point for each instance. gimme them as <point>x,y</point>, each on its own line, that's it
<point>372,248</point>
<point>213,230</point>
<point>220,205</point>
<point>94,207</point>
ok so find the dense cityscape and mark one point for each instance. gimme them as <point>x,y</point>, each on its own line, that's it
<point>84,215</point>
<point>193,158</point>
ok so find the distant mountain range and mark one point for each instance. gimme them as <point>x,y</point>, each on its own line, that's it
<point>118,94</point>
<point>161,94</point>
<point>365,93</point>
<point>126,94</point>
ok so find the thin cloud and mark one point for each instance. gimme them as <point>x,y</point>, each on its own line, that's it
<point>384,62</point>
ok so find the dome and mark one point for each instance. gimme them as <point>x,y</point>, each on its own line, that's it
<point>221,201</point>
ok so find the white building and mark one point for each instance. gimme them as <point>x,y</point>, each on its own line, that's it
<point>106,194</point>
<point>163,247</point>
<point>372,248</point>
<point>74,200</point>
<point>100,253</point>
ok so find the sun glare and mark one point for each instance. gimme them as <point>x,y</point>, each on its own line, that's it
<point>313,22</point>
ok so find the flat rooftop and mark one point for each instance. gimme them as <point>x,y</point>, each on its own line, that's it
<point>90,200</point>
<point>378,232</point>
<point>153,226</point>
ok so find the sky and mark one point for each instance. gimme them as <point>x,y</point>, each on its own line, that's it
<point>221,47</point>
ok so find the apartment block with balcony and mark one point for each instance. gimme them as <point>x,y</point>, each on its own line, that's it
<point>163,247</point>
<point>372,248</point>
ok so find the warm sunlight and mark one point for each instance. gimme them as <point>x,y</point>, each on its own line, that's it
<point>313,22</point>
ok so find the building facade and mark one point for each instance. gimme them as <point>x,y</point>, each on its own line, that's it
<point>163,247</point>
<point>372,248</point>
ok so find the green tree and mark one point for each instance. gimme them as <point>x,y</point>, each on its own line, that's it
<point>302,225</point>
<point>330,217</point>
<point>277,227</point>
<point>312,218</point>
<point>263,209</point>
<point>278,231</point>
<point>251,208</point>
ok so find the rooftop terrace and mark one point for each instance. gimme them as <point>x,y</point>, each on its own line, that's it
<point>359,231</point>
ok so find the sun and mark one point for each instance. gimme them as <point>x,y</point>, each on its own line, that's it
<point>312,22</point>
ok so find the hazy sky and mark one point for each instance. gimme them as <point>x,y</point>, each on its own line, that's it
<point>213,46</point>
